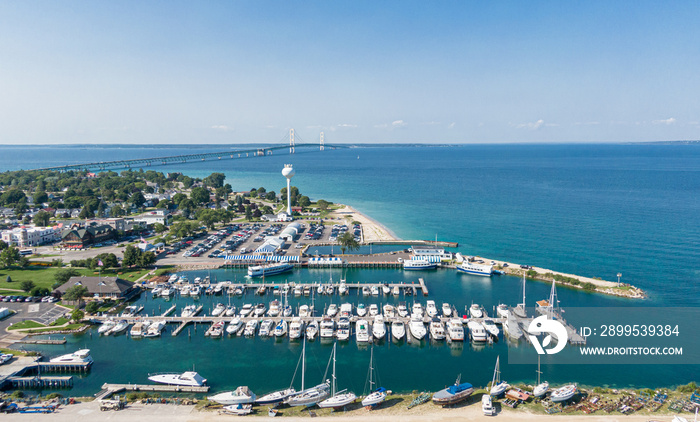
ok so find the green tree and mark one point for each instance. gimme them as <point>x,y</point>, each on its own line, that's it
<point>208,217</point>
<point>215,180</point>
<point>323,204</point>
<point>42,218</point>
<point>64,275</point>
<point>347,242</point>
<point>76,292</point>
<point>27,285</point>
<point>131,256</point>
<point>159,228</point>
<point>137,199</point>
<point>101,209</point>
<point>9,256</point>
<point>77,315</point>
<point>40,291</point>
<point>248,213</point>
<point>3,245</point>
<point>40,197</point>
<point>304,201</point>
<point>116,211</point>
<point>92,307</point>
<point>271,196</point>
<point>147,259</point>
<point>86,213</point>
<point>199,196</point>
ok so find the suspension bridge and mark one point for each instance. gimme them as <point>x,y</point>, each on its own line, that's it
<point>257,151</point>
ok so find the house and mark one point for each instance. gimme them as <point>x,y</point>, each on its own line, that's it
<point>76,237</point>
<point>101,287</point>
<point>27,236</point>
<point>161,216</point>
<point>283,216</point>
<point>118,224</point>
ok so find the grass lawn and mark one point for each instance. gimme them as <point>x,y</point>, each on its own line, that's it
<point>60,321</point>
<point>44,276</point>
<point>25,324</point>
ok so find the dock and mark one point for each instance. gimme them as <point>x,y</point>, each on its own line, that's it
<point>44,341</point>
<point>109,389</point>
<point>39,382</point>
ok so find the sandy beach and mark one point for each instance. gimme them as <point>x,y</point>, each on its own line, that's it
<point>372,230</point>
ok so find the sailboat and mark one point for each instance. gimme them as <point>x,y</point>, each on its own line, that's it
<point>498,387</point>
<point>281,395</point>
<point>309,396</point>
<point>520,309</point>
<point>377,396</point>
<point>339,399</point>
<point>541,388</point>
<point>454,393</point>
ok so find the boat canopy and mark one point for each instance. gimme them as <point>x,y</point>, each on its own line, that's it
<point>273,258</point>
<point>429,258</point>
<point>459,388</point>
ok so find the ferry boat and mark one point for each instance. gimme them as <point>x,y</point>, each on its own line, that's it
<point>475,269</point>
<point>82,355</point>
<point>189,379</point>
<point>242,395</point>
<point>453,394</point>
<point>419,264</point>
<point>269,269</point>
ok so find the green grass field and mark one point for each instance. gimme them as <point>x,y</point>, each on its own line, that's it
<point>44,276</point>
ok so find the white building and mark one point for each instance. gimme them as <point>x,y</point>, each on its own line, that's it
<point>27,236</point>
<point>431,253</point>
<point>161,216</point>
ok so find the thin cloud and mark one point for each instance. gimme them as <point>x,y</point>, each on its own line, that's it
<point>452,125</point>
<point>346,125</point>
<point>398,123</point>
<point>222,128</point>
<point>669,121</point>
<point>586,123</point>
<point>531,126</point>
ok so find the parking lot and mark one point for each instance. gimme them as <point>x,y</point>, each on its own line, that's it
<point>41,312</point>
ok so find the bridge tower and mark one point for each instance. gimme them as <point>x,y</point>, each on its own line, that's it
<point>322,142</point>
<point>291,141</point>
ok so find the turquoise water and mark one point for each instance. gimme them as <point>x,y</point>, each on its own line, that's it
<point>593,210</point>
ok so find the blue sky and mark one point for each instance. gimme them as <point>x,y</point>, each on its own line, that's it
<point>361,71</point>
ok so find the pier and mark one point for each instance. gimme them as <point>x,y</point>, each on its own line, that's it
<point>38,382</point>
<point>44,341</point>
<point>109,389</point>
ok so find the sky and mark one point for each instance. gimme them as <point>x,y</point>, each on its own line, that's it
<point>360,71</point>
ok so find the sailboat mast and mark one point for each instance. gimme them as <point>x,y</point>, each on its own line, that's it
<point>371,369</point>
<point>303,363</point>
<point>495,373</point>
<point>538,370</point>
<point>523,290</point>
<point>333,387</point>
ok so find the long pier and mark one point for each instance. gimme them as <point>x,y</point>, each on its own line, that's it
<point>109,389</point>
<point>185,158</point>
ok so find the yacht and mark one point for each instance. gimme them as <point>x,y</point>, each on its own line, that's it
<point>137,330</point>
<point>379,328</point>
<point>366,291</point>
<point>216,330</point>
<point>269,269</point>
<point>491,327</point>
<point>510,327</point>
<point>361,310</point>
<point>362,331</point>
<point>502,310</point>
<point>437,329</point>
<point>188,311</point>
<point>82,355</point>
<point>343,332</point>
<point>475,269</point>
<point>455,329</point>
<point>431,309</point>
<point>106,327</point>
<point>386,289</point>
<point>167,292</point>
<point>417,310</point>
<point>120,327</point>
<point>266,328</point>
<point>281,328</point>
<point>476,330</point>
<point>453,394</point>
<point>310,396</point>
<point>296,328</point>
<point>402,310</point>
<point>250,328</point>
<point>155,329</point>
<point>418,264</point>
<point>373,310</point>
<point>398,330</point>
<point>185,290</point>
<point>260,309</point>
<point>230,311</point>
<point>246,309</point>
<point>274,308</point>
<point>417,328</point>
<point>312,330</point>
<point>343,289</point>
<point>219,309</point>
<point>446,310</point>
<point>287,311</point>
<point>563,393</point>
<point>332,310</point>
<point>242,395</point>
<point>327,328</point>
<point>475,311</point>
<point>196,290</point>
<point>540,389</point>
<point>190,379</point>
<point>395,291</point>
<point>389,311</point>
<point>234,326</point>
<point>346,310</point>
<point>172,278</point>
<point>297,290</point>
<point>304,311</point>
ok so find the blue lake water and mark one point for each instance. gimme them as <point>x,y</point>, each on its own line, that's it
<point>593,210</point>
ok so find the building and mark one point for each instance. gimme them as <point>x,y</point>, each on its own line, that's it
<point>101,287</point>
<point>291,231</point>
<point>161,216</point>
<point>270,247</point>
<point>27,236</point>
<point>431,253</point>
<point>119,224</point>
<point>77,237</point>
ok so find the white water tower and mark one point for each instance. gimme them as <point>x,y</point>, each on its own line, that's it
<point>288,172</point>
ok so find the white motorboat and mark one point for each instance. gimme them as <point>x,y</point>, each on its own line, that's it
<point>276,397</point>
<point>361,310</point>
<point>172,278</point>
<point>327,328</point>
<point>386,289</point>
<point>398,330</point>
<point>475,311</point>
<point>446,310</point>
<point>332,310</point>
<point>106,327</point>
<point>137,330</point>
<point>246,309</point>
<point>476,331</point>
<point>563,393</point>
<point>155,329</point>
<point>373,310</point>
<point>260,310</point>
<point>287,311</point>
<point>185,290</point>
<point>343,332</point>
<point>487,405</point>
<point>366,291</point>
<point>281,328</point>
<point>297,290</point>
<point>190,379</point>
<point>389,311</point>
<point>417,310</point>
<point>238,409</point>
<point>312,330</point>
<point>431,309</point>
<point>337,399</point>
<point>250,328</point>
<point>379,328</point>
<point>167,292</point>
<point>304,311</point>
<point>498,387</point>
<point>502,310</point>
<point>219,309</point>
<point>266,328</point>
<point>296,328</point>
<point>196,290</point>
<point>417,328</point>
<point>188,311</point>
<point>275,308</point>
<point>510,327</point>
<point>475,269</point>
<point>437,329</point>
<point>120,327</point>
<point>362,331</point>
<point>234,326</point>
<point>402,310</point>
<point>82,355</point>
<point>346,310</point>
<point>455,329</point>
<point>242,395</point>
<point>343,289</point>
<point>395,291</point>
<point>491,327</point>
<point>540,389</point>
<point>230,311</point>
<point>216,330</point>
<point>375,290</point>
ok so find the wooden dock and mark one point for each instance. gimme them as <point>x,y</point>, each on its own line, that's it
<point>109,389</point>
<point>39,382</point>
<point>44,341</point>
